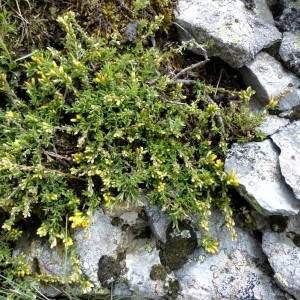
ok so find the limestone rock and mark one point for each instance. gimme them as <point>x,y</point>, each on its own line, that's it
<point>289,51</point>
<point>235,38</point>
<point>125,240</point>
<point>44,260</point>
<point>284,258</point>
<point>238,271</point>
<point>268,78</point>
<point>272,124</point>
<point>288,140</point>
<point>290,17</point>
<point>159,221</point>
<point>261,183</point>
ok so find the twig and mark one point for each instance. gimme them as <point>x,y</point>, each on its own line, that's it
<point>174,102</point>
<point>12,194</point>
<point>218,115</point>
<point>192,40</point>
<point>53,154</point>
<point>20,14</point>
<point>183,29</point>
<point>218,82</point>
<point>183,81</point>
<point>193,66</point>
<point>41,294</point>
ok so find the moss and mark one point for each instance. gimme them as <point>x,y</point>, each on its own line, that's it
<point>158,272</point>
<point>278,223</point>
<point>109,270</point>
<point>173,288</point>
<point>180,244</point>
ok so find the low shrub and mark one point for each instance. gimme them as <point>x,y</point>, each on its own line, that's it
<point>101,121</point>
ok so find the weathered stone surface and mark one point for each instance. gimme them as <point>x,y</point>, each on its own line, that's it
<point>103,238</point>
<point>289,51</point>
<point>238,271</point>
<point>284,258</point>
<point>122,240</point>
<point>272,124</point>
<point>290,17</point>
<point>288,140</point>
<point>135,268</point>
<point>42,259</point>
<point>268,78</point>
<point>235,38</point>
<point>257,169</point>
<point>159,221</point>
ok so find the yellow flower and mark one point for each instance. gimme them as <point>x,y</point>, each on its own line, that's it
<point>77,119</point>
<point>77,157</point>
<point>108,198</point>
<point>79,220</point>
<point>211,158</point>
<point>42,231</point>
<point>209,244</point>
<point>231,179</point>
<point>161,187</point>
<point>219,164</point>
<point>9,115</point>
<point>68,242</point>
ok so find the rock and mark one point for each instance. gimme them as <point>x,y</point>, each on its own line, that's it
<point>293,225</point>
<point>130,31</point>
<point>284,258</point>
<point>43,260</point>
<point>261,183</point>
<point>290,17</point>
<point>102,239</point>
<point>289,51</point>
<point>288,141</point>
<point>235,38</point>
<point>268,78</point>
<point>276,7</point>
<point>121,240</point>
<point>114,257</point>
<point>159,221</point>
<point>272,124</point>
<point>238,271</point>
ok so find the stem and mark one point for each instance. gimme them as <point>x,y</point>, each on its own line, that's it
<point>218,115</point>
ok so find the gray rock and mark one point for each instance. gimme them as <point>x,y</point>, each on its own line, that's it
<point>262,10</point>
<point>288,140</point>
<point>238,271</point>
<point>44,260</point>
<point>269,79</point>
<point>101,239</point>
<point>284,258</point>
<point>261,183</point>
<point>289,51</point>
<point>123,244</point>
<point>159,221</point>
<point>293,225</point>
<point>236,38</point>
<point>272,124</point>
<point>290,17</point>
<point>130,31</point>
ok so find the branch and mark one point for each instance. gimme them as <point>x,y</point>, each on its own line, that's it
<point>192,40</point>
<point>58,156</point>
<point>183,81</point>
<point>174,102</point>
<point>193,66</point>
